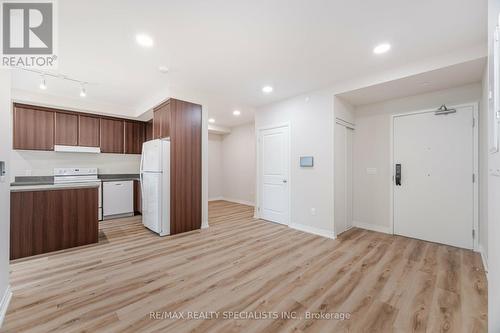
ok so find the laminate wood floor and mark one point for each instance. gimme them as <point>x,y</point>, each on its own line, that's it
<point>135,281</point>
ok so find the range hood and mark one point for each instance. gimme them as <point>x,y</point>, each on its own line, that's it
<point>77,149</point>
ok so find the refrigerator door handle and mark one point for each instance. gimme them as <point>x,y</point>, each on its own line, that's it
<point>142,190</point>
<point>141,177</point>
<point>142,162</point>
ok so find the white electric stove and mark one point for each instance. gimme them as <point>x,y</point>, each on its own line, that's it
<point>79,175</point>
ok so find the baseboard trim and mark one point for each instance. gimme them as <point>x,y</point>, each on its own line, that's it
<point>484,258</point>
<point>241,202</point>
<point>4,304</point>
<point>313,230</point>
<point>372,227</point>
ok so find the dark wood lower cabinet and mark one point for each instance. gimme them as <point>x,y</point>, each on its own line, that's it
<point>51,220</point>
<point>137,197</point>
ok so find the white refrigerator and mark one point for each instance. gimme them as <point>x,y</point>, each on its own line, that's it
<point>155,186</point>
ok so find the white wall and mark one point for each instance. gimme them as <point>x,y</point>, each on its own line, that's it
<point>5,146</point>
<point>42,163</point>
<point>493,196</point>
<point>343,110</point>
<point>238,164</point>
<point>231,159</point>
<point>214,167</point>
<point>311,120</point>
<point>371,149</point>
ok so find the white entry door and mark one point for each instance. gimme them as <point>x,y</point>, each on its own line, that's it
<point>434,195</point>
<point>343,178</point>
<point>274,170</point>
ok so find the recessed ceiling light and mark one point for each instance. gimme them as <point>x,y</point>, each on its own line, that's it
<point>43,83</point>
<point>211,120</point>
<point>163,69</point>
<point>144,40</point>
<point>236,112</point>
<point>267,89</point>
<point>382,48</point>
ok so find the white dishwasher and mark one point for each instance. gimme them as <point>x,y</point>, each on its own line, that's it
<point>117,199</point>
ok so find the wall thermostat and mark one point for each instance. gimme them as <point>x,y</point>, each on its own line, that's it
<point>306,161</point>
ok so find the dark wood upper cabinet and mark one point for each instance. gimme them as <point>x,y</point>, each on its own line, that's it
<point>161,121</point>
<point>40,128</point>
<point>134,137</point>
<point>33,128</point>
<point>112,136</point>
<point>88,131</point>
<point>156,124</point>
<point>149,130</point>
<point>66,129</point>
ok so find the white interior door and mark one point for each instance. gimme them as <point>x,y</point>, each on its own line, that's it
<point>435,198</point>
<point>274,169</point>
<point>343,178</point>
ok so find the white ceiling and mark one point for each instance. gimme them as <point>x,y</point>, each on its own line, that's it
<point>228,50</point>
<point>443,78</point>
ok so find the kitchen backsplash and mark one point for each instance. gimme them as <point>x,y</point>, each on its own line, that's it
<point>42,163</point>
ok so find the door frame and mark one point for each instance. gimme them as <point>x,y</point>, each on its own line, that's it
<point>352,127</point>
<point>475,153</point>
<point>258,182</point>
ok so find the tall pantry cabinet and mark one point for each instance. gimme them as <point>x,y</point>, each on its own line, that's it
<point>181,122</point>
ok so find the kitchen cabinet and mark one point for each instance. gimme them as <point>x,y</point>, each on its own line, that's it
<point>40,128</point>
<point>181,122</point>
<point>66,129</point>
<point>118,198</point>
<point>161,121</point>
<point>137,197</point>
<point>149,130</point>
<point>33,129</point>
<point>51,220</point>
<point>89,131</point>
<point>112,136</point>
<point>185,165</point>
<point>134,137</point>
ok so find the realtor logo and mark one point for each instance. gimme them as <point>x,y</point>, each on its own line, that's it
<point>28,34</point>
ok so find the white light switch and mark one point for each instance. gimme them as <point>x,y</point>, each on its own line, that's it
<point>371,171</point>
<point>313,211</point>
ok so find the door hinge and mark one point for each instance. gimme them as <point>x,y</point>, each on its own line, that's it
<point>473,122</point>
<point>473,177</point>
<point>473,233</point>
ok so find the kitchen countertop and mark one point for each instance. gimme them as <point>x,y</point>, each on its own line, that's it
<point>26,188</point>
<point>119,177</point>
<point>38,183</point>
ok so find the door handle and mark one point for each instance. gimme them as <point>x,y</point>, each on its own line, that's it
<point>397,178</point>
<point>285,181</point>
